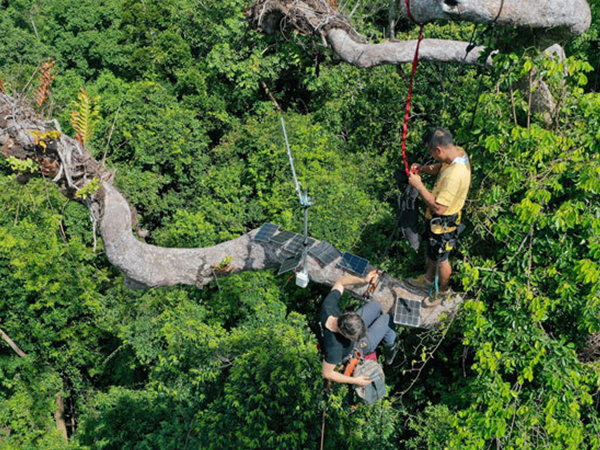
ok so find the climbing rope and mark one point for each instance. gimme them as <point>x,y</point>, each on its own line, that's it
<point>415,64</point>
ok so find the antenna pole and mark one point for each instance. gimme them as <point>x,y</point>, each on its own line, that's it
<point>305,243</point>
<point>289,152</point>
<point>306,203</point>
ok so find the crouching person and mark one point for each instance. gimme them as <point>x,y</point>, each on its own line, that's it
<point>341,332</point>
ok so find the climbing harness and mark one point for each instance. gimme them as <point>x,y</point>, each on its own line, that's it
<point>445,224</point>
<point>448,224</point>
<point>415,64</point>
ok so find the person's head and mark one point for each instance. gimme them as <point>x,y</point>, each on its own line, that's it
<point>352,326</point>
<point>439,142</point>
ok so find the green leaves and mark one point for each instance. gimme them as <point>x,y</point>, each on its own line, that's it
<point>85,117</point>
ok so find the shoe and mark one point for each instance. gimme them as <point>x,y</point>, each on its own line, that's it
<point>420,284</point>
<point>390,352</point>
<point>430,302</point>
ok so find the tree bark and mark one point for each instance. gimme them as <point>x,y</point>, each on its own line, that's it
<point>371,55</point>
<point>59,417</point>
<point>554,20</point>
<point>150,266</point>
<point>14,346</point>
<point>561,18</point>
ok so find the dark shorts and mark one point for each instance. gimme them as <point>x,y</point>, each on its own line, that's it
<point>439,246</point>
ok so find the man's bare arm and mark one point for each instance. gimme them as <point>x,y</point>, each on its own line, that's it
<point>349,280</point>
<point>434,207</point>
<point>331,374</point>
<point>429,169</point>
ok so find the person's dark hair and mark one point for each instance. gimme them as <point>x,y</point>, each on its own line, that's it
<point>438,137</point>
<point>352,326</point>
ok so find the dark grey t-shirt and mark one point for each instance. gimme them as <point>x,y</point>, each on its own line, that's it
<point>335,346</point>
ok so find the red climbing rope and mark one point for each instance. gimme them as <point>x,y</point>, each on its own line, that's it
<point>415,63</point>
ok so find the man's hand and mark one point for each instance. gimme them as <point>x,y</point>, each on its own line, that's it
<point>415,168</point>
<point>362,380</point>
<point>372,276</point>
<point>415,180</point>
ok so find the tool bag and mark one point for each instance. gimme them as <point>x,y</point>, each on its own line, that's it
<point>374,391</point>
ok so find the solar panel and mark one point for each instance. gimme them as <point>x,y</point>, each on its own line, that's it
<point>408,312</point>
<point>283,237</point>
<point>290,264</point>
<point>297,243</point>
<point>266,232</point>
<point>324,252</point>
<point>354,264</point>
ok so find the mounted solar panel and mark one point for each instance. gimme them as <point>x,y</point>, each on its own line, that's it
<point>290,264</point>
<point>325,253</point>
<point>297,243</point>
<point>408,312</point>
<point>354,264</point>
<point>283,237</point>
<point>266,232</point>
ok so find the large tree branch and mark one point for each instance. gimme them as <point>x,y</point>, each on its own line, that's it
<point>560,18</point>
<point>151,266</point>
<point>554,20</point>
<point>371,55</point>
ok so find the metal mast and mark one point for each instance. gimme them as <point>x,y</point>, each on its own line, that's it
<point>302,276</point>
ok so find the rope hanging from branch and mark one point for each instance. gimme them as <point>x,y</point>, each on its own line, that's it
<point>415,64</point>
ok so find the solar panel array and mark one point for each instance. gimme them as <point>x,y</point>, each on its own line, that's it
<point>297,243</point>
<point>283,237</point>
<point>324,252</point>
<point>266,232</point>
<point>290,264</point>
<point>354,264</point>
<point>408,312</point>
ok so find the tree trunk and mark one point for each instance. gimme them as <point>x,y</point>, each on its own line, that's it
<point>151,266</point>
<point>59,417</point>
<point>392,20</point>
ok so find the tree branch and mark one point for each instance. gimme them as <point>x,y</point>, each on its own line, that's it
<point>562,19</point>
<point>14,346</point>
<point>371,55</point>
<point>554,20</point>
<point>151,266</point>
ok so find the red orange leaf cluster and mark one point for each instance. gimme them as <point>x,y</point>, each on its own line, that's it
<point>46,77</point>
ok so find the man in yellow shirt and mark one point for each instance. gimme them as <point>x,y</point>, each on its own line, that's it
<point>444,208</point>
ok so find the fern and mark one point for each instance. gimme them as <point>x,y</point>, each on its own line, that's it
<point>2,90</point>
<point>45,80</point>
<point>85,116</point>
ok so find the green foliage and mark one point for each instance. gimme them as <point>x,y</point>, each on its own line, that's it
<point>22,165</point>
<point>197,147</point>
<point>88,189</point>
<point>85,116</point>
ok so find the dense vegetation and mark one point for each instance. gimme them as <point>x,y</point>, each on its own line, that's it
<point>186,121</point>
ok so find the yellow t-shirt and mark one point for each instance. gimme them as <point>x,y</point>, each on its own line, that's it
<point>452,185</point>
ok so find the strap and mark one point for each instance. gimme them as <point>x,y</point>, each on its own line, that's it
<point>415,63</point>
<point>446,221</point>
<point>461,160</point>
<point>409,14</point>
